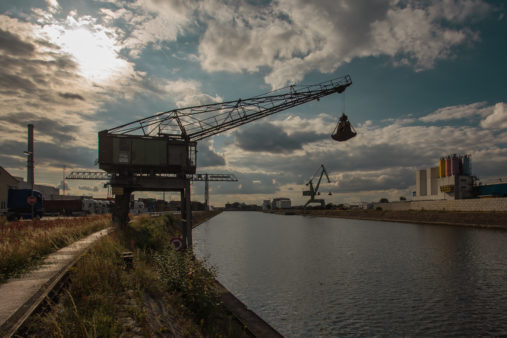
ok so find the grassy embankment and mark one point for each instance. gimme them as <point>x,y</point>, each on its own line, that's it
<point>23,244</point>
<point>494,219</point>
<point>165,293</point>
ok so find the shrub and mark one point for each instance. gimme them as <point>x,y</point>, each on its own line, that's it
<point>150,233</point>
<point>182,273</point>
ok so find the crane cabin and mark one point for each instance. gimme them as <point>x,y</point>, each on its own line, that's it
<point>136,154</point>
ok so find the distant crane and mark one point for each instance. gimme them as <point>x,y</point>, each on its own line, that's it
<point>315,190</point>
<point>157,152</point>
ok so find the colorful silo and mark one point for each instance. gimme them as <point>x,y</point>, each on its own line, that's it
<point>448,166</point>
<point>454,165</point>
<point>441,167</point>
<point>467,165</point>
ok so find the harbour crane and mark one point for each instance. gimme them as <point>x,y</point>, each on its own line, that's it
<point>157,152</point>
<point>315,190</point>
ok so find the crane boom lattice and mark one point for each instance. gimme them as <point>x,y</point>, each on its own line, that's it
<point>199,122</point>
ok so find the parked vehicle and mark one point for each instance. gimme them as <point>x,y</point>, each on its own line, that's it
<point>136,207</point>
<point>18,204</point>
<point>76,207</point>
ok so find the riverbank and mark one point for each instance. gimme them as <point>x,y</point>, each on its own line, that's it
<point>161,292</point>
<point>493,219</point>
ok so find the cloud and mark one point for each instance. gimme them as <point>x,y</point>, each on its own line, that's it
<point>295,37</point>
<point>45,127</point>
<point>88,188</point>
<point>12,44</point>
<point>381,157</point>
<point>498,119</point>
<point>207,157</point>
<point>48,154</point>
<point>267,137</point>
<point>71,96</point>
<point>458,112</point>
<point>151,22</point>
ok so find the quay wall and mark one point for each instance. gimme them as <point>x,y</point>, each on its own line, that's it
<point>478,204</point>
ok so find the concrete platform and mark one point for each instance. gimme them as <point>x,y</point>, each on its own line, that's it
<point>20,296</point>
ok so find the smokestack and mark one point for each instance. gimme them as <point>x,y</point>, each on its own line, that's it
<point>29,163</point>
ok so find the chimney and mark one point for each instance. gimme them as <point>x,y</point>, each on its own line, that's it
<point>29,163</point>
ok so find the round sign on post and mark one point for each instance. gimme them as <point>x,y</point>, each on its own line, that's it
<point>31,200</point>
<point>177,243</point>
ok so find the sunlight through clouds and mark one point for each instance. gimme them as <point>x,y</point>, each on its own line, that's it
<point>94,47</point>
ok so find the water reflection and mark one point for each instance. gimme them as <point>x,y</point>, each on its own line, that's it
<point>311,276</point>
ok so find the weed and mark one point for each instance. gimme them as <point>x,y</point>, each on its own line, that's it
<point>24,244</point>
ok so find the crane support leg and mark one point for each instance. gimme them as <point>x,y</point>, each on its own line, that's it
<point>186,215</point>
<point>120,213</point>
<point>188,222</point>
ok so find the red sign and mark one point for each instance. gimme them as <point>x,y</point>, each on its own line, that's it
<point>177,243</point>
<point>31,200</point>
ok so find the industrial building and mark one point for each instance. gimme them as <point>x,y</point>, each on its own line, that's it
<point>281,203</point>
<point>453,180</point>
<point>7,181</point>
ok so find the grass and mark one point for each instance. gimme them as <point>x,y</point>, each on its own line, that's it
<point>166,293</point>
<point>23,244</point>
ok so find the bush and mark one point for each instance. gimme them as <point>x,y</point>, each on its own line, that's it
<point>150,233</point>
<point>184,274</point>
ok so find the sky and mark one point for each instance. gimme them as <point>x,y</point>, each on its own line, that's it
<point>429,80</point>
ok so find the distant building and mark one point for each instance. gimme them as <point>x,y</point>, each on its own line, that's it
<point>452,179</point>
<point>48,192</point>
<point>6,181</point>
<point>281,203</point>
<point>266,205</point>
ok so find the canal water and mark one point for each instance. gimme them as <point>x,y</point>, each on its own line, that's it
<point>312,276</point>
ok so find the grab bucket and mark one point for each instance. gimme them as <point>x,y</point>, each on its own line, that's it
<point>344,130</point>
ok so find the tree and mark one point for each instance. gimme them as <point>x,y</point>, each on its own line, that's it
<point>384,200</point>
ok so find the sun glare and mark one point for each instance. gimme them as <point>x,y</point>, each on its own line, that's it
<point>94,48</point>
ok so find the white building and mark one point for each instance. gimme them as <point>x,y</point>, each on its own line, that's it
<point>429,186</point>
<point>281,203</point>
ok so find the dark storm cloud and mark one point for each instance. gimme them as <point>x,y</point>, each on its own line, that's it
<point>399,179</point>
<point>71,96</point>
<point>8,161</point>
<point>58,131</point>
<point>206,157</point>
<point>374,157</point>
<point>31,73</point>
<point>12,44</point>
<point>50,154</point>
<point>267,137</point>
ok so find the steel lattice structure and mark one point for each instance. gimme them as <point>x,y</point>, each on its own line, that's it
<point>199,122</point>
<point>102,175</point>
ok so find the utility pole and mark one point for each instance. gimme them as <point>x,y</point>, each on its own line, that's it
<point>206,193</point>
<point>63,180</point>
<point>29,164</point>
